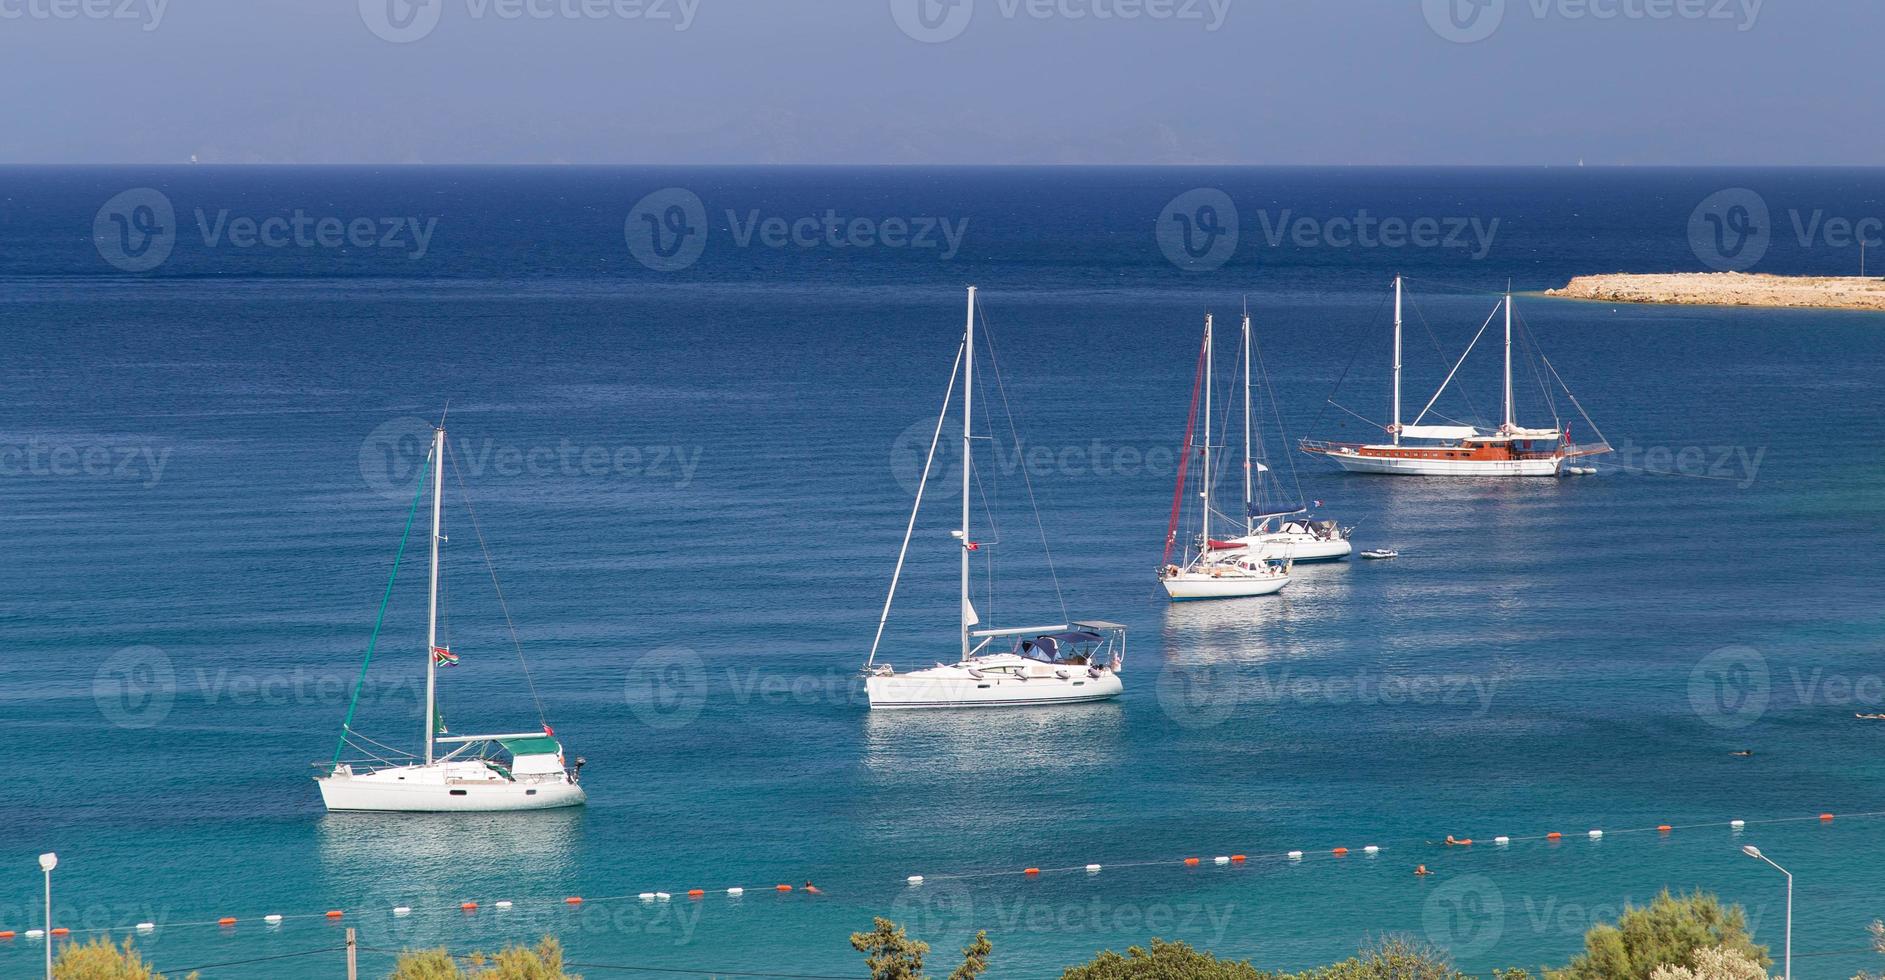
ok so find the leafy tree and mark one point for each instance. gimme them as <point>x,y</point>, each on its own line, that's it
<point>1163,961</point>
<point>1712,963</point>
<point>1878,946</point>
<point>889,952</point>
<point>1667,932</point>
<point>974,958</point>
<point>544,962</point>
<point>101,960</point>
<point>1393,958</point>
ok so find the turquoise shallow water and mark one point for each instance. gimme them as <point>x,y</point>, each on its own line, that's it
<point>1546,655</point>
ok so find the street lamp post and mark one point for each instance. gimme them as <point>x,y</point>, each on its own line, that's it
<point>47,862</point>
<point>1787,961</point>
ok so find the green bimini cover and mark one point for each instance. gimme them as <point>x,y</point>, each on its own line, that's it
<point>538,745</point>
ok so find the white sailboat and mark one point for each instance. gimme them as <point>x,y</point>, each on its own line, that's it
<point>470,775</point>
<point>1069,663</point>
<point>1220,569</point>
<point>1417,449</point>
<point>1292,534</point>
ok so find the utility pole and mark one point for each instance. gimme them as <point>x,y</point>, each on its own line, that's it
<point>353,965</point>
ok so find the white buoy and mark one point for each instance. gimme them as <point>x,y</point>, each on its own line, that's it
<point>35,933</point>
<point>1737,824</point>
<point>504,904</point>
<point>1093,868</point>
<point>914,879</point>
<point>402,910</point>
<point>1596,834</point>
<point>1502,841</point>
<point>147,927</point>
<point>662,896</point>
<point>1295,855</point>
<point>273,920</point>
<point>1220,859</point>
<point>1371,849</point>
<point>736,891</point>
<point>646,896</point>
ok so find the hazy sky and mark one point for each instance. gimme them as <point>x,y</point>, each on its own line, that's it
<point>943,81</point>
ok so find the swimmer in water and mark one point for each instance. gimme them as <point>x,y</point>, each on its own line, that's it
<point>811,889</point>
<point>1421,870</point>
<point>1744,753</point>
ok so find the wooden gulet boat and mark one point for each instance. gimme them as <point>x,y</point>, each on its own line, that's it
<point>1418,449</point>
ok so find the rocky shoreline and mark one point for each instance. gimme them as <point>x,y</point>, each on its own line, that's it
<point>1730,289</point>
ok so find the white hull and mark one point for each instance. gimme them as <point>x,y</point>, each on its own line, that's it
<point>431,789</point>
<point>1199,585</point>
<point>916,690</point>
<point>1399,466</point>
<point>1298,548</point>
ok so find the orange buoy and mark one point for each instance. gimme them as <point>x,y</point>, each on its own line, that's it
<point>1554,835</point>
<point>696,892</point>
<point>6,934</point>
<point>1191,862</point>
<point>1239,858</point>
<point>782,888</point>
<point>1826,816</point>
<point>1663,828</point>
<point>468,906</point>
<point>1030,871</point>
<point>61,931</point>
<point>573,900</point>
<point>1339,852</point>
<point>333,913</point>
<point>227,920</point>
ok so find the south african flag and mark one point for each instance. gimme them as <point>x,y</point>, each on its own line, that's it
<point>441,657</point>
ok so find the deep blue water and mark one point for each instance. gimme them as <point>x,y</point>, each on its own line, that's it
<point>209,468</point>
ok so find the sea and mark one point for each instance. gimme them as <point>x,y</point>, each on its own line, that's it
<point>688,411</point>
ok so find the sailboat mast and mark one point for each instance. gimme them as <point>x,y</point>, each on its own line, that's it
<point>1249,527</point>
<point>1210,378</point>
<point>432,600</point>
<point>1508,357</point>
<point>1396,429</point>
<point>968,396</point>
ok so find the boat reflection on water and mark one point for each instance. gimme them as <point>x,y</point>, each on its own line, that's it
<point>429,863</point>
<point>918,746</point>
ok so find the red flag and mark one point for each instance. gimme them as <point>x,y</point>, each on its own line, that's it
<point>547,730</point>
<point>974,547</point>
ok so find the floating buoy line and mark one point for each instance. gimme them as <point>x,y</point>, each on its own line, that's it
<point>472,909</point>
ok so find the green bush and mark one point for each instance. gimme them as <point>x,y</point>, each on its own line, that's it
<point>1667,932</point>
<point>101,960</point>
<point>544,962</point>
